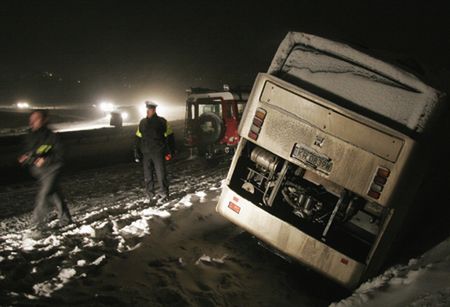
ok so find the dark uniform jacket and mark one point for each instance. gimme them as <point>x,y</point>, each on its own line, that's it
<point>154,135</point>
<point>43,143</point>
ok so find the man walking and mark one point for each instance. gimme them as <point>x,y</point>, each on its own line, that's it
<point>155,143</point>
<point>43,155</point>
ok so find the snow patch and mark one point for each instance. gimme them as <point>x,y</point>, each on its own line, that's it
<point>75,250</point>
<point>48,287</point>
<point>209,259</point>
<point>66,274</point>
<point>155,211</point>
<point>98,260</point>
<point>30,297</point>
<point>138,228</point>
<point>81,262</point>
<point>421,282</point>
<point>130,248</point>
<point>185,201</point>
<point>28,244</point>
<point>87,230</point>
<point>51,241</point>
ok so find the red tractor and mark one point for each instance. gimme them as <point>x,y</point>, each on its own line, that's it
<point>212,120</point>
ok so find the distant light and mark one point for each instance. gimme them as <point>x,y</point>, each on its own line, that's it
<point>23,105</point>
<point>106,106</point>
<point>124,115</point>
<point>226,87</point>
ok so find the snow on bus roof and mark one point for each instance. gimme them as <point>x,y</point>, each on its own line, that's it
<point>356,80</point>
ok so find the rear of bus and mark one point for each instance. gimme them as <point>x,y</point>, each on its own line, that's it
<point>329,156</point>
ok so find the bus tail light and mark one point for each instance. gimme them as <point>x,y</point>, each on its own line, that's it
<point>258,121</point>
<point>378,182</point>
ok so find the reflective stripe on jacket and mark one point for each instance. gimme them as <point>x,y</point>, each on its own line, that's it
<point>168,132</point>
<point>151,133</point>
<point>44,143</point>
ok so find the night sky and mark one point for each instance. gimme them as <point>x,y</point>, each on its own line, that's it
<point>82,51</point>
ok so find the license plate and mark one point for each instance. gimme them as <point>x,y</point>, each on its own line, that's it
<point>312,158</point>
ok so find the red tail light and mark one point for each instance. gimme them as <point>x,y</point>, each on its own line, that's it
<point>258,121</point>
<point>252,135</point>
<point>378,182</point>
<point>344,261</point>
<point>260,113</point>
<point>383,172</point>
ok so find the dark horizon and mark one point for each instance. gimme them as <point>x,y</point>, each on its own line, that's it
<point>85,51</point>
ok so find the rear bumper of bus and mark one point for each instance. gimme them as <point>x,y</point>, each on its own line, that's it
<point>290,240</point>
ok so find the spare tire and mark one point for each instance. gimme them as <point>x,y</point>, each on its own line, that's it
<point>210,128</point>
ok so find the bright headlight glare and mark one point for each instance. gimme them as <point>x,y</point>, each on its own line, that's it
<point>23,105</point>
<point>106,106</point>
<point>124,115</point>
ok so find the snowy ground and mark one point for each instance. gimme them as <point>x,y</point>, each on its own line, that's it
<point>124,251</point>
<point>110,216</point>
<point>422,282</point>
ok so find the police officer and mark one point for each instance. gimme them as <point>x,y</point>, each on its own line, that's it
<point>154,145</point>
<point>42,153</point>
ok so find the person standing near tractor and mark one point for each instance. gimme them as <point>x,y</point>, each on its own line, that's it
<point>154,144</point>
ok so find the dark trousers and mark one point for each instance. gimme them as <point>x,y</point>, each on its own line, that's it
<point>49,192</point>
<point>154,163</point>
